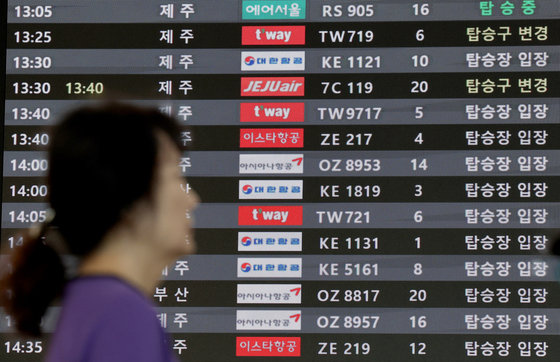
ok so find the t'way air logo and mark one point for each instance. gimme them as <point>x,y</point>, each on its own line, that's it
<point>272,86</point>
<point>273,9</point>
<point>272,112</point>
<point>273,35</point>
<point>270,215</point>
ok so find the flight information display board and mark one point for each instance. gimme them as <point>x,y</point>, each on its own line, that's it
<point>379,179</point>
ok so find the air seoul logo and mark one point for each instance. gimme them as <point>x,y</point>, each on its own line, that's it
<point>273,35</point>
<point>249,60</point>
<point>246,267</point>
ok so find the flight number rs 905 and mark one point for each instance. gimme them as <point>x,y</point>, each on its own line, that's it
<point>351,11</point>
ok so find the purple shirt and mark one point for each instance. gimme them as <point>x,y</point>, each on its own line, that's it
<point>105,319</point>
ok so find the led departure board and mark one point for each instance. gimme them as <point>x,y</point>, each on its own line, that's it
<point>379,178</point>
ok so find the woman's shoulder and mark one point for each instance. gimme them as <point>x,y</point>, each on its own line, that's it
<point>105,317</point>
<point>101,301</point>
<point>102,287</point>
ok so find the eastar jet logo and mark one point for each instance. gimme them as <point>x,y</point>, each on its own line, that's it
<point>272,112</point>
<point>272,86</point>
<point>271,137</point>
<point>273,35</point>
<point>279,346</point>
<point>270,215</point>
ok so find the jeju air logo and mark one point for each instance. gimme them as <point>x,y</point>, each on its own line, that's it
<point>272,86</point>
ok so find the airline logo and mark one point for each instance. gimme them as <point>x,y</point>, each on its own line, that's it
<point>272,112</point>
<point>270,215</point>
<point>278,346</point>
<point>271,138</point>
<point>273,35</point>
<point>269,293</point>
<point>271,164</point>
<point>273,10</point>
<point>269,241</point>
<point>266,320</point>
<point>272,86</point>
<point>270,190</point>
<point>269,267</point>
<point>280,61</point>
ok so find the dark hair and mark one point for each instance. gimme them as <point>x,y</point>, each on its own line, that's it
<point>101,160</point>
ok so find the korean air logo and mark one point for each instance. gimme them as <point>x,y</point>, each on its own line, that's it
<point>249,60</point>
<point>247,189</point>
<point>246,241</point>
<point>246,267</point>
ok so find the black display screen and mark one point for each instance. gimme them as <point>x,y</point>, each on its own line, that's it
<point>379,179</point>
